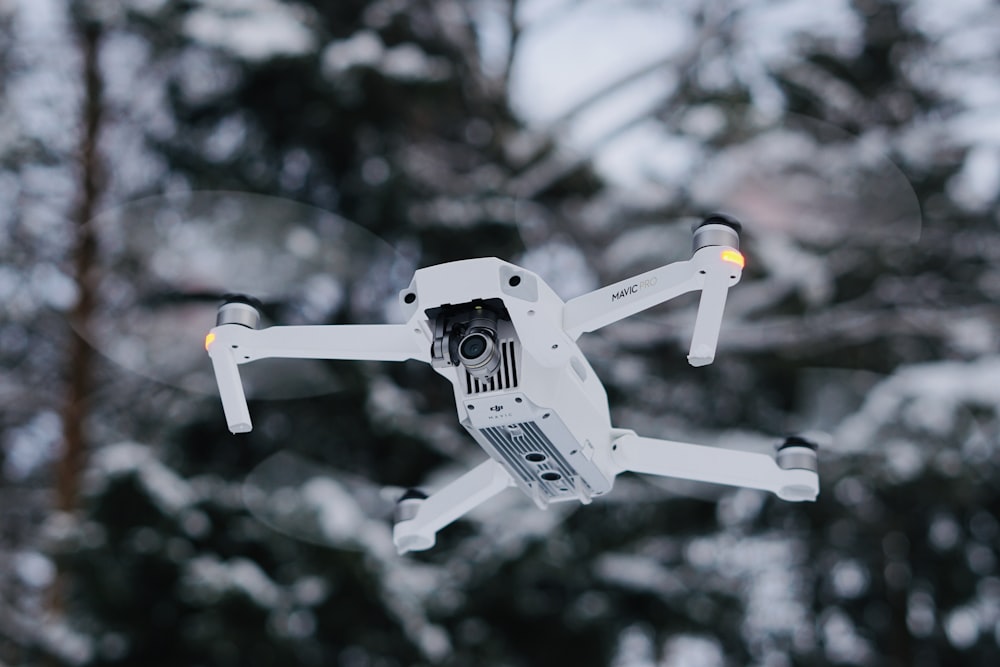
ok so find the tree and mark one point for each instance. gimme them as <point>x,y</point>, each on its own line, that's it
<point>389,122</point>
<point>388,115</point>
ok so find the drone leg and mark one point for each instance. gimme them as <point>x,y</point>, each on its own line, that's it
<point>234,400</point>
<point>795,480</point>
<point>708,321</point>
<point>448,504</point>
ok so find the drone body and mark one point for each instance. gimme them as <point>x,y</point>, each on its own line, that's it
<point>523,389</point>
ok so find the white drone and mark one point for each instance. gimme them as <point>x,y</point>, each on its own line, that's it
<point>523,389</point>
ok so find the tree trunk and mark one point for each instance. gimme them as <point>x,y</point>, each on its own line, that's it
<point>71,462</point>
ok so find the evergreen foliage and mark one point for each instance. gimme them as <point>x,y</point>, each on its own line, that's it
<point>867,311</point>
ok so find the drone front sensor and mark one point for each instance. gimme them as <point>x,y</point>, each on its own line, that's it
<point>523,389</point>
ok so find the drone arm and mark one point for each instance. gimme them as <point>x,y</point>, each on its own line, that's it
<point>448,504</point>
<point>716,465</point>
<point>713,270</point>
<point>379,342</point>
<point>624,298</point>
<point>231,344</point>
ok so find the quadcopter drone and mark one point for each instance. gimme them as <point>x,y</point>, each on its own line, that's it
<point>523,389</point>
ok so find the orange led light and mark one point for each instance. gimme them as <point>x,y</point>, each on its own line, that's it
<point>209,339</point>
<point>733,257</point>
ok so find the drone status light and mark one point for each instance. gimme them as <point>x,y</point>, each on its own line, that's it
<point>734,257</point>
<point>209,339</point>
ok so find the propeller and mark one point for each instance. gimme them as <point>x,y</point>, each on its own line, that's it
<point>814,182</point>
<point>316,503</point>
<point>801,186</point>
<point>167,263</point>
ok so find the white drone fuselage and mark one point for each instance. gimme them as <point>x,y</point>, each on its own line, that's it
<point>543,414</point>
<point>523,388</point>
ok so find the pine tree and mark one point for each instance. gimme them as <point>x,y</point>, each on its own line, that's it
<point>384,114</point>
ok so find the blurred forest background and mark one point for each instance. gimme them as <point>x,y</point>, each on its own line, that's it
<point>859,141</point>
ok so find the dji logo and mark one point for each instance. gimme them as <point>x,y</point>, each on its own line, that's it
<point>498,413</point>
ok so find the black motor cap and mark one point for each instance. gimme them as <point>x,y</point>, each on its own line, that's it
<point>721,219</point>
<point>243,298</point>
<point>798,441</point>
<point>412,494</point>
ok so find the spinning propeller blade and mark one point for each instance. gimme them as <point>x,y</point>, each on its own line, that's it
<point>797,183</point>
<point>813,182</point>
<point>318,504</point>
<point>168,262</point>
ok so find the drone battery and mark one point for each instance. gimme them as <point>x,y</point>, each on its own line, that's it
<point>536,448</point>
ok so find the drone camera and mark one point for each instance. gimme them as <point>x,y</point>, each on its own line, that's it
<point>475,348</point>
<point>478,350</point>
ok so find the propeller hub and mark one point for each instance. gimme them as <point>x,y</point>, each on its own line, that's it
<point>722,219</point>
<point>797,453</point>
<point>717,230</point>
<point>238,312</point>
<point>409,504</point>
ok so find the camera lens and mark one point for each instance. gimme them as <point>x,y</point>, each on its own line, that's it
<point>479,353</point>
<point>473,346</point>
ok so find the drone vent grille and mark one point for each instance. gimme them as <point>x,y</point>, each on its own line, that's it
<point>536,460</point>
<point>504,378</point>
